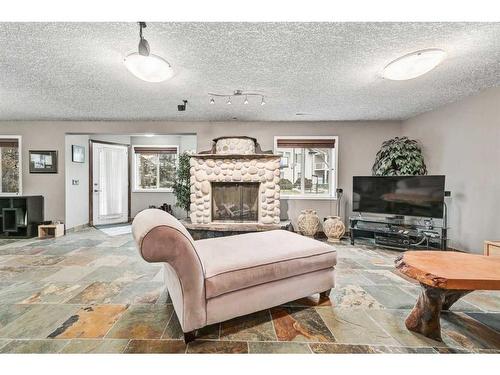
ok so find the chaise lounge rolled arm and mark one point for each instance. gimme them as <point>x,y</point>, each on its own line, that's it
<point>162,238</point>
<point>217,279</point>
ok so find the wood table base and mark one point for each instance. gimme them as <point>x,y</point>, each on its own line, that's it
<point>425,316</point>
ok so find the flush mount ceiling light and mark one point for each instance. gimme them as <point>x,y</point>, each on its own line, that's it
<point>145,65</point>
<point>236,93</point>
<point>414,64</point>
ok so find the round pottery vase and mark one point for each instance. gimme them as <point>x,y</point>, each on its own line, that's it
<point>308,223</point>
<point>334,228</point>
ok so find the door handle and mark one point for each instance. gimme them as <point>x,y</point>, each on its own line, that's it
<point>96,191</point>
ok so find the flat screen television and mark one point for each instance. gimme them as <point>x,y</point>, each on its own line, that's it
<point>399,195</point>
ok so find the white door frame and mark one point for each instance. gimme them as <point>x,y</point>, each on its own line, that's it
<point>91,177</point>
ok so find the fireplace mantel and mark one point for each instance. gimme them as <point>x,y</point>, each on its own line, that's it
<point>234,156</point>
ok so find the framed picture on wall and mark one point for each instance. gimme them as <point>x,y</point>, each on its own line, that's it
<point>77,154</point>
<point>43,161</point>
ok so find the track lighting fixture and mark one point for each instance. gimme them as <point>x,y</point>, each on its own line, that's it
<point>236,93</point>
<point>145,65</point>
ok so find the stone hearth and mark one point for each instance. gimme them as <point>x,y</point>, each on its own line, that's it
<point>235,159</point>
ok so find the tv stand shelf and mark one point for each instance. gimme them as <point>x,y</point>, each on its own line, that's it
<point>20,216</point>
<point>398,234</point>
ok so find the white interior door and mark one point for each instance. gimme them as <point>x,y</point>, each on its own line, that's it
<point>110,183</point>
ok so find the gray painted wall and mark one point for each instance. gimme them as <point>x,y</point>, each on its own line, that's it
<point>462,141</point>
<point>358,143</point>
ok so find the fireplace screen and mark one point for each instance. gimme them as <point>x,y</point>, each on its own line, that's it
<point>235,201</point>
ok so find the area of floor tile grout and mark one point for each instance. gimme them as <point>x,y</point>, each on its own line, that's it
<point>88,292</point>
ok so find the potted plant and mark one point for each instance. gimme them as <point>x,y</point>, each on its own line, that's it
<point>399,156</point>
<point>182,183</point>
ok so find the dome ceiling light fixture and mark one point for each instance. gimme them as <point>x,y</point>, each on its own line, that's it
<point>414,64</point>
<point>145,65</point>
<point>236,94</point>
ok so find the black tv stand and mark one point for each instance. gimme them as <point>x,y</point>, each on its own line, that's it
<point>20,216</point>
<point>395,232</point>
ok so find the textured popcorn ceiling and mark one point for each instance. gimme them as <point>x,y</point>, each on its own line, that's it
<point>328,71</point>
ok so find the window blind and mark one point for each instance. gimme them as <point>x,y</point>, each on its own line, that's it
<point>306,143</point>
<point>155,150</point>
<point>9,142</point>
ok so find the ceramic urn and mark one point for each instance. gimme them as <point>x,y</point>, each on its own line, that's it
<point>334,228</point>
<point>308,223</point>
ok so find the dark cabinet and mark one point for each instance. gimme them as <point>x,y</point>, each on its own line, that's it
<point>20,216</point>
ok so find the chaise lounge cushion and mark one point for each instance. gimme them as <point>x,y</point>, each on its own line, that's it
<point>238,262</point>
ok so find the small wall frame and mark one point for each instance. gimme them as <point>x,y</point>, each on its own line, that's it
<point>77,154</point>
<point>43,161</point>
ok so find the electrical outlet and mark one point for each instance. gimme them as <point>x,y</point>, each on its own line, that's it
<point>75,182</point>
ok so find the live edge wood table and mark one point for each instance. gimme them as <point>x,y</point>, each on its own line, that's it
<point>445,277</point>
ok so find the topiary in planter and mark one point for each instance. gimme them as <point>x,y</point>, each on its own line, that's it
<point>399,157</point>
<point>182,184</point>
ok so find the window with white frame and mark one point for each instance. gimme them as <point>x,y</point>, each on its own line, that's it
<point>10,165</point>
<point>154,168</point>
<point>308,166</point>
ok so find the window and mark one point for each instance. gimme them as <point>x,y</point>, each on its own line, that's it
<point>10,165</point>
<point>308,166</point>
<point>154,168</point>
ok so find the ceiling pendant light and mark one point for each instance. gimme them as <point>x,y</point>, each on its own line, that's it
<point>145,65</point>
<point>263,102</point>
<point>246,99</point>
<point>414,64</point>
<point>212,101</point>
<point>228,101</point>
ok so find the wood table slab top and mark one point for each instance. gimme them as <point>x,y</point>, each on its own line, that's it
<point>451,270</point>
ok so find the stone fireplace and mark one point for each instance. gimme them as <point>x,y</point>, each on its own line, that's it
<point>235,182</point>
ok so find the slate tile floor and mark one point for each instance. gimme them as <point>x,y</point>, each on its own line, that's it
<point>89,292</point>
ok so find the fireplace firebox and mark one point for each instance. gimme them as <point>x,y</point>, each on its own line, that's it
<point>235,201</point>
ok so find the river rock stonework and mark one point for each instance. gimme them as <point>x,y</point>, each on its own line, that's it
<point>264,169</point>
<point>231,146</point>
<point>235,159</point>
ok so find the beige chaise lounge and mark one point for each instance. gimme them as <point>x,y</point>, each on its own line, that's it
<point>213,280</point>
